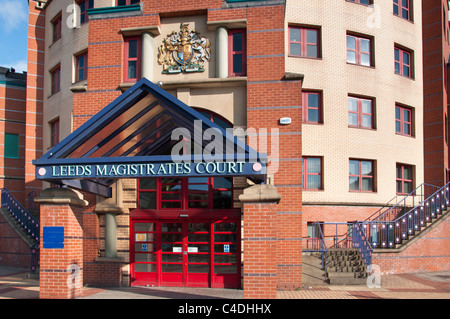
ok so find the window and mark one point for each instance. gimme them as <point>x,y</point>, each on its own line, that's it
<point>57,23</point>
<point>237,64</point>
<point>366,2</point>
<point>360,112</point>
<point>81,67</point>
<point>312,107</point>
<point>132,63</point>
<point>403,120</point>
<point>403,9</point>
<point>127,2</point>
<point>361,176</point>
<point>56,79</point>
<point>404,179</point>
<point>11,145</point>
<point>359,50</point>
<point>304,42</point>
<point>185,193</point>
<point>84,5</point>
<point>403,62</point>
<point>314,229</point>
<point>312,173</point>
<point>54,132</point>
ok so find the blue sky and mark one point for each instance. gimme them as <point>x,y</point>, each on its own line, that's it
<point>13,34</point>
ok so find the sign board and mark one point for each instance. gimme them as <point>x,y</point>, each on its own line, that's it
<point>138,170</point>
<point>226,248</point>
<point>53,237</point>
<point>192,249</point>
<point>144,247</point>
<point>141,237</point>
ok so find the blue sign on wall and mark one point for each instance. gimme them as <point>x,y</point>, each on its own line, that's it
<point>53,237</point>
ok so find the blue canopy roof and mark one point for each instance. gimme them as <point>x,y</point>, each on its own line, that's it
<point>141,134</point>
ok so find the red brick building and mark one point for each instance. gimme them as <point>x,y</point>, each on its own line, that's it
<point>336,104</point>
<point>107,49</point>
<point>436,50</point>
<point>12,106</point>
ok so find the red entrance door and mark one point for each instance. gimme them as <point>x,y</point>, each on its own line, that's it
<point>193,253</point>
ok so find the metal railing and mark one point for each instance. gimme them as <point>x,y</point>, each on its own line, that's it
<point>27,221</point>
<point>418,195</point>
<point>389,232</point>
<point>317,244</point>
<point>359,241</point>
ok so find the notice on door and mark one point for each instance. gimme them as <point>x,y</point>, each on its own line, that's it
<point>140,237</point>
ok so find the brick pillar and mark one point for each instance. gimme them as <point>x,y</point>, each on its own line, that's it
<point>273,94</point>
<point>61,255</point>
<point>260,241</point>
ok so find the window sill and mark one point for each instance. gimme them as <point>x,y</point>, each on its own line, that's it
<point>53,94</point>
<point>362,128</point>
<point>312,123</point>
<point>407,20</point>
<point>361,4</point>
<point>80,86</point>
<point>404,135</point>
<point>404,76</point>
<point>363,192</point>
<point>304,57</point>
<point>361,65</point>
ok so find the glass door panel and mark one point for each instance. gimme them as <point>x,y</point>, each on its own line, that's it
<point>144,249</point>
<point>226,254</point>
<point>172,260</point>
<point>198,254</point>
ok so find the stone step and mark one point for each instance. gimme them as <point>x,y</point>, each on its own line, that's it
<point>347,278</point>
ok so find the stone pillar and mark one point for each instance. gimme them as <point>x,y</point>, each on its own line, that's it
<point>147,56</point>
<point>260,241</point>
<point>110,235</point>
<point>221,52</point>
<point>61,253</point>
<point>111,207</point>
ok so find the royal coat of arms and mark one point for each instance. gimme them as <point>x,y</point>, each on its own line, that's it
<point>184,51</point>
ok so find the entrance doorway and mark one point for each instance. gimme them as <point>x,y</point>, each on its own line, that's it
<point>186,253</point>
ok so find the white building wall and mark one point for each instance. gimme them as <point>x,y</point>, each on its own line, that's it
<point>333,139</point>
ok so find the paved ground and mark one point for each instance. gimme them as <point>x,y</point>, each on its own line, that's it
<point>14,284</point>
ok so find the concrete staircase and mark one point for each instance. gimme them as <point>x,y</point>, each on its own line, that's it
<point>313,273</point>
<point>345,266</point>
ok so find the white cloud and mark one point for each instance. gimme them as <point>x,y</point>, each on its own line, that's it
<point>20,66</point>
<point>13,13</point>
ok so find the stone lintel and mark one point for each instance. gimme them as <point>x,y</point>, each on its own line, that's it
<point>61,196</point>
<point>260,193</point>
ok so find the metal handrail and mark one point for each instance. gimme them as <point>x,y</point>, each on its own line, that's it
<point>386,206</point>
<point>29,223</point>
<point>388,233</point>
<point>393,211</point>
<point>359,240</point>
<point>319,245</point>
<point>35,257</point>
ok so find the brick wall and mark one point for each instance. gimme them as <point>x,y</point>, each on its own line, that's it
<point>270,97</point>
<point>12,113</point>
<point>34,95</point>
<point>14,251</point>
<point>431,252</point>
<point>61,270</point>
<point>436,51</point>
